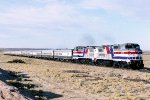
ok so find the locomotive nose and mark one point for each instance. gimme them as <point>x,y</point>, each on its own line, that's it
<point>138,51</point>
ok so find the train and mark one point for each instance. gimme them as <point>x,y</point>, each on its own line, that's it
<point>126,55</point>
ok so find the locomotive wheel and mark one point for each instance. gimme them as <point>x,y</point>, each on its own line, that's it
<point>133,66</point>
<point>89,61</point>
<point>124,65</point>
<point>141,66</point>
<point>108,63</point>
<point>99,62</point>
<point>81,61</point>
<point>116,64</point>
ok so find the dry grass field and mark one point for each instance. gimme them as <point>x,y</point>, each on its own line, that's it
<point>67,81</point>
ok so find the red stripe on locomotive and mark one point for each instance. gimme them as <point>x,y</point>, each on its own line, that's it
<point>129,52</point>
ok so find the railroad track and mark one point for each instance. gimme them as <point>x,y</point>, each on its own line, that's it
<point>146,70</point>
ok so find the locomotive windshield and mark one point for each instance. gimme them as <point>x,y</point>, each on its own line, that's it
<point>132,46</point>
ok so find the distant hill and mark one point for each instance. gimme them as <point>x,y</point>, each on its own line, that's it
<point>146,52</point>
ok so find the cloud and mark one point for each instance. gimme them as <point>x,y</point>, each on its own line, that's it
<point>130,8</point>
<point>50,13</point>
<point>54,16</point>
<point>67,23</point>
<point>54,21</point>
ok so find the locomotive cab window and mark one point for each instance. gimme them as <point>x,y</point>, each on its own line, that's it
<point>116,47</point>
<point>80,48</point>
<point>132,46</point>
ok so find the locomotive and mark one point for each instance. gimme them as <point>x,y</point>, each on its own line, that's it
<point>128,55</point>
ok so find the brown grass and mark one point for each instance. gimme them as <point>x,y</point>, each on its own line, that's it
<point>75,81</point>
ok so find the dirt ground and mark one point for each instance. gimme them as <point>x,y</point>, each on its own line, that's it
<point>68,81</point>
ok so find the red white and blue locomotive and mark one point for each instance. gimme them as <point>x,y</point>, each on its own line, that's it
<point>117,55</point>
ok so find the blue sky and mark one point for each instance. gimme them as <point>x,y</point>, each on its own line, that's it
<point>68,23</point>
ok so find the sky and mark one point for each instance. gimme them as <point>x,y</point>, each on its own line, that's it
<point>70,23</point>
